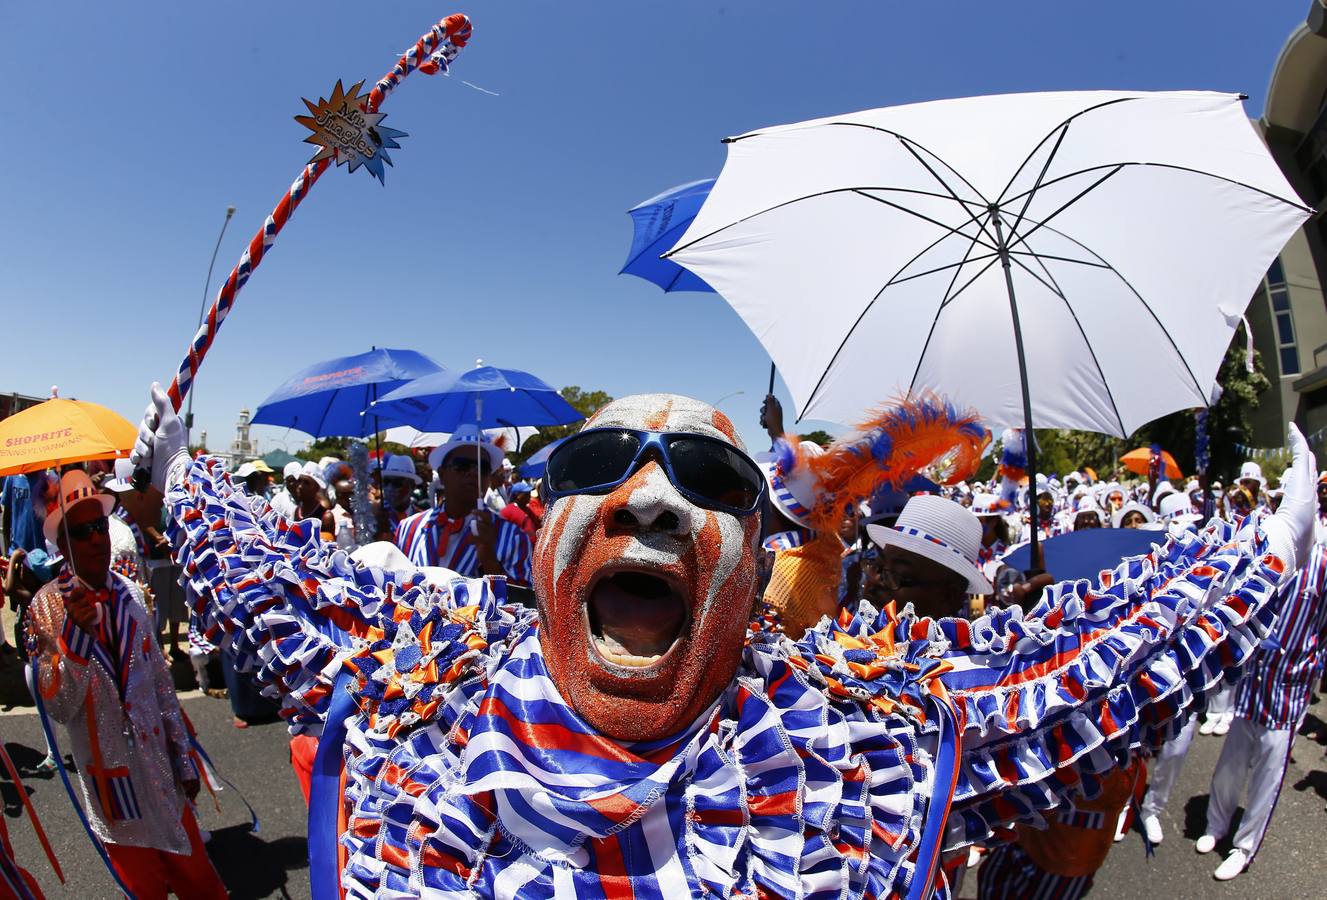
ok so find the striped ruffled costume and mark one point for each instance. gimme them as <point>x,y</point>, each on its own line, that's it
<point>837,765</point>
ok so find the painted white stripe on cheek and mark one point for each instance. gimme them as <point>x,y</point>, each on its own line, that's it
<point>732,541</point>
<point>584,508</point>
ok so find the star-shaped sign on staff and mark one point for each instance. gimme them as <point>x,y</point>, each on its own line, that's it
<point>349,134</point>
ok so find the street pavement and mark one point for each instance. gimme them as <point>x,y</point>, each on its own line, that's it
<point>274,862</point>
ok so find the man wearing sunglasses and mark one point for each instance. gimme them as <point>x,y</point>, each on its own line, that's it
<point>638,736</point>
<point>102,674</point>
<point>462,535</point>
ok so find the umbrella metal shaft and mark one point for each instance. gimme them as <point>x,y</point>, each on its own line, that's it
<point>1029,440</point>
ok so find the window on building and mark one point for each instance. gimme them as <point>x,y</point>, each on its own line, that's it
<point>1278,294</point>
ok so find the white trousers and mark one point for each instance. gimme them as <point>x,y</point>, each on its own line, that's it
<point>1223,701</point>
<point>1256,756</point>
<point>1165,770</point>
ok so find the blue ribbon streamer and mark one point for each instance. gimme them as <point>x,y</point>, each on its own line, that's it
<point>325,795</point>
<point>946,778</point>
<point>69,788</point>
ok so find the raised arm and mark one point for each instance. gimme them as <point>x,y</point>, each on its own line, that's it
<point>1096,672</point>
<point>292,607</point>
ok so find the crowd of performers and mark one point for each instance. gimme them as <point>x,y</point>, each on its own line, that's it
<point>675,668</point>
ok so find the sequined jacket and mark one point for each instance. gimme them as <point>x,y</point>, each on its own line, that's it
<point>123,721</point>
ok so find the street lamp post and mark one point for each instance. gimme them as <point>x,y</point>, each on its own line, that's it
<point>207,288</point>
<point>716,403</point>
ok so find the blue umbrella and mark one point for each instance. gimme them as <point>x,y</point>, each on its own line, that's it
<point>485,396</point>
<point>329,398</point>
<point>538,461</point>
<point>1083,554</point>
<point>658,223</point>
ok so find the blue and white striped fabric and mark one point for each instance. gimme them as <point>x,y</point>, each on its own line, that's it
<point>776,790</point>
<point>816,773</point>
<point>418,537</point>
<point>123,803</point>
<point>1008,873</point>
<point>786,540</point>
<point>1275,690</point>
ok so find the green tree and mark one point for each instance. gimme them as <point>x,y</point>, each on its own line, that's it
<point>819,436</point>
<point>1061,452</point>
<point>587,403</point>
<point>1227,422</point>
<point>328,446</point>
<point>340,447</point>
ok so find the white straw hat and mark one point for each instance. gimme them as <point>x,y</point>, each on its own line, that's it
<point>794,488</point>
<point>1147,514</point>
<point>315,472</point>
<point>467,436</point>
<point>75,488</point>
<point>943,532</point>
<point>985,505</point>
<point>1176,504</point>
<point>399,466</point>
<point>1251,470</point>
<point>123,479</point>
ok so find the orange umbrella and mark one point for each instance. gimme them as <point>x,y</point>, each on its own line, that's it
<point>1139,460</point>
<point>62,431</point>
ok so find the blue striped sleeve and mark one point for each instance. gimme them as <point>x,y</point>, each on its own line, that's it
<point>76,643</point>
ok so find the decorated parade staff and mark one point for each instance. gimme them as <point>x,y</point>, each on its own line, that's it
<point>635,736</point>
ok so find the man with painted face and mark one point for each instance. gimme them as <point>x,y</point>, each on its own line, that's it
<point>638,735</point>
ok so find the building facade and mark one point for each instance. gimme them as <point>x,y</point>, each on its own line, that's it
<point>1288,315</point>
<point>244,447</point>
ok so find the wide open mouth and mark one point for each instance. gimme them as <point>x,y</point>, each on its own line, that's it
<point>635,617</point>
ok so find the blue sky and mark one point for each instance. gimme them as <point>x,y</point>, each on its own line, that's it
<point>500,231</point>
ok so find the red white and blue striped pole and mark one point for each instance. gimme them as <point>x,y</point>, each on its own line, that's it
<point>432,53</point>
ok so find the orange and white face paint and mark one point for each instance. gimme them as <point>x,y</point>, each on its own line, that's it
<point>644,597</point>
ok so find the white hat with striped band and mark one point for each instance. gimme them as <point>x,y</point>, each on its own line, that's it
<point>75,488</point>
<point>793,488</point>
<point>943,532</point>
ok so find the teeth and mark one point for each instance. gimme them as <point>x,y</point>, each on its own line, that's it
<point>614,652</point>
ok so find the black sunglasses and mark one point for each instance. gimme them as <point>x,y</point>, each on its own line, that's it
<point>707,471</point>
<point>87,529</point>
<point>896,582</point>
<point>467,464</point>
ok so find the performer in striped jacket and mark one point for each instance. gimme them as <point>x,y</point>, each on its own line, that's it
<point>1270,702</point>
<point>460,535</point>
<point>639,736</point>
<point>101,674</point>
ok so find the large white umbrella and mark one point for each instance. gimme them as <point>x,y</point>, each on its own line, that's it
<point>1077,260</point>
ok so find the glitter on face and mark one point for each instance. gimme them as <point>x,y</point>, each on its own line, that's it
<point>644,597</point>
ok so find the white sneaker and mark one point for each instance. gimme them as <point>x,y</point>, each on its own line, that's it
<point>1152,828</point>
<point>1205,844</point>
<point>1223,724</point>
<point>1231,866</point>
<point>1119,824</point>
<point>1208,723</point>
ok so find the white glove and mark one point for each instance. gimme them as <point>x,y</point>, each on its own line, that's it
<point>161,442</point>
<point>1290,531</point>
